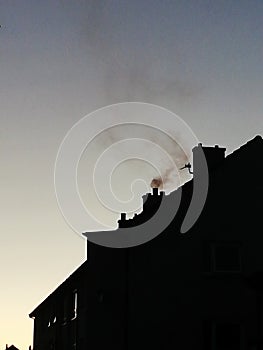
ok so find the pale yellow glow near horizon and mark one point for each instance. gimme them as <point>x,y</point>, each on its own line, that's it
<point>34,267</point>
<point>61,60</point>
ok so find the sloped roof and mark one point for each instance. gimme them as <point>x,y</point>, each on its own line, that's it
<point>67,280</point>
<point>12,347</point>
<point>253,145</point>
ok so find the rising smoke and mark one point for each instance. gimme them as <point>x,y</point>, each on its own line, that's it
<point>166,176</point>
<point>134,64</point>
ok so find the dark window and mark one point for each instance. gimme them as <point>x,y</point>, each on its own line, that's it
<point>222,256</point>
<point>221,336</point>
<point>227,336</point>
<point>226,257</point>
<point>70,306</point>
<point>52,316</point>
<point>65,309</point>
<point>74,305</point>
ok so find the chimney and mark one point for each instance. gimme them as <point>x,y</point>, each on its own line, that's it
<point>155,191</point>
<point>214,156</point>
<point>122,221</point>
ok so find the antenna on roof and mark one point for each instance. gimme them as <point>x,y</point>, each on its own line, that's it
<point>188,166</point>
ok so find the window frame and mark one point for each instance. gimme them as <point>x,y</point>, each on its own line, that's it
<point>209,257</point>
<point>210,336</point>
<point>75,300</point>
<point>236,244</point>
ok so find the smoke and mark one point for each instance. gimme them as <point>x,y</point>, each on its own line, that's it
<point>157,182</point>
<point>166,174</point>
<point>167,178</point>
<point>134,65</point>
<point>133,62</point>
<point>123,161</point>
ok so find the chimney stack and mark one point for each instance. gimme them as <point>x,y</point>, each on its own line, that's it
<point>122,222</point>
<point>155,191</point>
<point>214,156</point>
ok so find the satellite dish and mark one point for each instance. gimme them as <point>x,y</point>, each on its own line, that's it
<point>188,166</point>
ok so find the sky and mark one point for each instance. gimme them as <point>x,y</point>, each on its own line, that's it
<point>59,61</point>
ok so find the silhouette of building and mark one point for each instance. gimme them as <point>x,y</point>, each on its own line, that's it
<point>11,347</point>
<point>199,290</point>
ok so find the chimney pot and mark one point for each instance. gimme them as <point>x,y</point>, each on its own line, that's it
<point>155,191</point>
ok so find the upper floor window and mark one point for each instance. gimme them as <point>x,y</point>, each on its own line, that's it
<point>52,316</point>
<point>70,305</point>
<point>227,257</point>
<point>223,256</point>
<point>222,336</point>
<point>227,336</point>
<point>74,304</point>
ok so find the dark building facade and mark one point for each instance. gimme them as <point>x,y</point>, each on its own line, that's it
<point>11,347</point>
<point>199,290</point>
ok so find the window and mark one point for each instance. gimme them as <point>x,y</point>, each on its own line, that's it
<point>100,296</point>
<point>222,336</point>
<point>52,317</point>
<point>223,256</point>
<point>65,310</point>
<point>70,306</point>
<point>226,257</point>
<point>226,336</point>
<point>74,305</point>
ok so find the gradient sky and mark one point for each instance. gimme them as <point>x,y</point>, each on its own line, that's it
<point>60,60</point>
